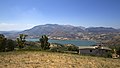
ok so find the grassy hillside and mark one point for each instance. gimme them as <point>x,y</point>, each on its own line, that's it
<point>36,59</point>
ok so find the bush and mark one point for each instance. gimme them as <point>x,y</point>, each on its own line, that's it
<point>116,47</point>
<point>44,42</point>
<point>6,44</point>
<point>72,48</point>
<point>118,51</point>
<point>2,44</point>
<point>58,49</point>
<point>10,45</point>
<point>108,55</point>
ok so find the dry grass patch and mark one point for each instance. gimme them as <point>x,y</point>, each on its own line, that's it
<point>36,59</point>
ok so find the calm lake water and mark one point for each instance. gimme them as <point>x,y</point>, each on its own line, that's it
<point>74,42</point>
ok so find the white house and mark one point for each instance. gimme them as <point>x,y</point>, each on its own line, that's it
<point>94,50</point>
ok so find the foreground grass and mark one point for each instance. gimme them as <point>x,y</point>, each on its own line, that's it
<point>36,59</point>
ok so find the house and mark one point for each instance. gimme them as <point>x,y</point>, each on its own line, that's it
<point>94,50</point>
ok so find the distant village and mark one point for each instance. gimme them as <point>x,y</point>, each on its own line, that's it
<point>86,36</point>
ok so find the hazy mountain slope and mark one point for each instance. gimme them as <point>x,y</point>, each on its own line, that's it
<point>53,29</point>
<point>59,31</point>
<point>101,29</point>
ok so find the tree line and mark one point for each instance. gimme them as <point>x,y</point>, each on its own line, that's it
<point>20,42</point>
<point>43,44</point>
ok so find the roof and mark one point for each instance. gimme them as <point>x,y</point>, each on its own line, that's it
<point>94,47</point>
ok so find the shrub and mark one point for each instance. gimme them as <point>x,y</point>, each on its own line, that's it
<point>108,55</point>
<point>72,48</point>
<point>10,45</point>
<point>44,42</point>
<point>21,40</point>
<point>6,44</point>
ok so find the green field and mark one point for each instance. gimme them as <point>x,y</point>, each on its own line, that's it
<point>38,59</point>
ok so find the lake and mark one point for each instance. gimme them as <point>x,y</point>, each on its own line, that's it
<point>74,42</point>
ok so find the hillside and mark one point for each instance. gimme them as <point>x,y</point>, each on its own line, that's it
<point>101,29</point>
<point>36,59</point>
<point>53,30</point>
<point>66,31</point>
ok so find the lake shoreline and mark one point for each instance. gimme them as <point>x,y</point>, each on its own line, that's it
<point>74,42</point>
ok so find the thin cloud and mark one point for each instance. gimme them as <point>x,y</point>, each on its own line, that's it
<point>10,27</point>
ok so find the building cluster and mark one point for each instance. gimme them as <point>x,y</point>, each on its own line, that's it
<point>90,36</point>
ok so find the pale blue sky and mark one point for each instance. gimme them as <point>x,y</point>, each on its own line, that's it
<point>24,14</point>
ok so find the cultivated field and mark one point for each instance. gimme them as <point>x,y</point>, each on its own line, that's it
<point>36,59</point>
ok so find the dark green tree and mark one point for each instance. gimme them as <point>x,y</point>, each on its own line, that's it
<point>72,48</point>
<point>10,45</point>
<point>118,51</point>
<point>44,42</point>
<point>21,40</point>
<point>2,42</point>
<point>6,44</point>
<point>2,36</point>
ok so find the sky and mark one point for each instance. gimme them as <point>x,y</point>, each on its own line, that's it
<point>25,14</point>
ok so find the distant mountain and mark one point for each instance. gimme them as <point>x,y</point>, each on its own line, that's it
<point>10,34</point>
<point>101,29</point>
<point>59,31</point>
<point>53,30</point>
<point>119,30</point>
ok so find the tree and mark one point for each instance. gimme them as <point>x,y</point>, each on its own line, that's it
<point>2,36</point>
<point>72,48</point>
<point>6,44</point>
<point>21,40</point>
<point>118,51</point>
<point>44,42</point>
<point>2,42</point>
<point>10,45</point>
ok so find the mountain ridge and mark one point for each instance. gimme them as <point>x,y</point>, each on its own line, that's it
<point>57,30</point>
